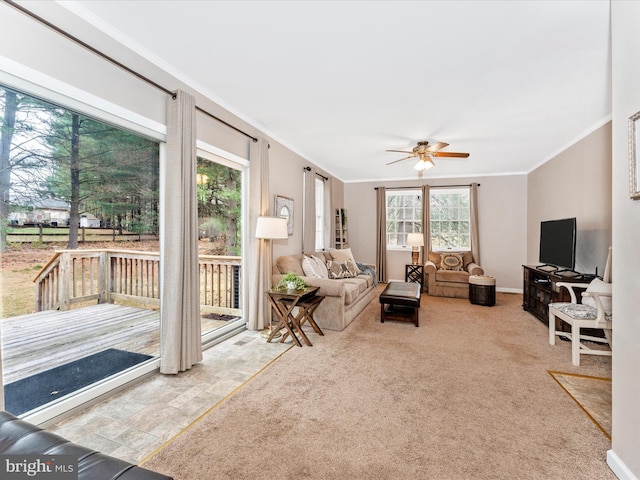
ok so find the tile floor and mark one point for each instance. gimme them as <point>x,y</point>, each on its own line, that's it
<point>135,422</point>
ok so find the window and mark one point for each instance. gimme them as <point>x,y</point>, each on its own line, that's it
<point>319,214</point>
<point>450,219</point>
<point>404,215</point>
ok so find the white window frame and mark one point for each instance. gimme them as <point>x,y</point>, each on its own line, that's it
<point>417,215</point>
<point>462,214</point>
<point>320,214</point>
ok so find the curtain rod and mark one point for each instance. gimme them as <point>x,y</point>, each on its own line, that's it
<point>116,62</point>
<point>433,186</point>
<point>308,169</point>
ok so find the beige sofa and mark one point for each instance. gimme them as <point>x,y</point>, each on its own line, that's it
<point>344,299</point>
<point>442,280</point>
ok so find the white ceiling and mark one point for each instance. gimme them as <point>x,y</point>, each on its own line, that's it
<point>339,82</point>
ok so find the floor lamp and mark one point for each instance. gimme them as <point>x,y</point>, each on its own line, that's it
<point>268,229</point>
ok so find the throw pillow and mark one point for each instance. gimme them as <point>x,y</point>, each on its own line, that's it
<point>314,267</point>
<point>343,255</point>
<point>452,261</point>
<point>599,286</point>
<point>338,269</point>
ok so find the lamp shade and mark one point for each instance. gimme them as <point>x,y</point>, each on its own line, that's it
<point>271,227</point>
<point>415,239</point>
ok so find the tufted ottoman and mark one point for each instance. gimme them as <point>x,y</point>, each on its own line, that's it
<point>400,296</point>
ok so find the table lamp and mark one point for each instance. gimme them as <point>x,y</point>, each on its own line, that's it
<point>267,229</point>
<point>416,240</point>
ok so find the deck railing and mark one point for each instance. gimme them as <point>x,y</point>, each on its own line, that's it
<point>106,276</point>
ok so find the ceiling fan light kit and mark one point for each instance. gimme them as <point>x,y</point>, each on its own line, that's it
<point>424,163</point>
<point>424,152</point>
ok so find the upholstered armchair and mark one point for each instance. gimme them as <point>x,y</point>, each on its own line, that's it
<point>447,274</point>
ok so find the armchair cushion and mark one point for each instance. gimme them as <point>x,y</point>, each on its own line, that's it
<point>444,281</point>
<point>452,261</point>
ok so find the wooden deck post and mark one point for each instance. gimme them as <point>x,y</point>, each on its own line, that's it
<point>65,280</point>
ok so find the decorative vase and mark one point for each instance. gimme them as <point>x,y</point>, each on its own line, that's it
<point>291,285</point>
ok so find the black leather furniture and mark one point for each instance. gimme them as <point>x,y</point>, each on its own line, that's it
<point>400,296</point>
<point>18,437</point>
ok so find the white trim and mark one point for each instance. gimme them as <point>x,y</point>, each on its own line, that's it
<point>33,82</point>
<point>509,290</point>
<point>223,157</point>
<point>91,393</point>
<point>618,467</point>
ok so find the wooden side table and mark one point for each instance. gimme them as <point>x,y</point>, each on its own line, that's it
<point>414,273</point>
<point>284,302</point>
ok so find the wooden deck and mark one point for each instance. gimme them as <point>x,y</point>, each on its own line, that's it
<point>43,340</point>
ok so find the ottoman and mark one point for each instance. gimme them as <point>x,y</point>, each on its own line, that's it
<point>401,298</point>
<point>482,290</point>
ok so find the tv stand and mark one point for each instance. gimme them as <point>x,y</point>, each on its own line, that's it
<point>540,289</point>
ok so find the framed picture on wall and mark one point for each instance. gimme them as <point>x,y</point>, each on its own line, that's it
<point>284,209</point>
<point>634,169</point>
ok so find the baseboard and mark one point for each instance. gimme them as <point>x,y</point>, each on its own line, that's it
<point>509,290</point>
<point>618,467</point>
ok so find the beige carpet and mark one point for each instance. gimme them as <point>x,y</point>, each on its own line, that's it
<point>464,396</point>
<point>592,394</point>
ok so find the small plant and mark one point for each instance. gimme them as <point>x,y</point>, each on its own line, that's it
<point>291,281</point>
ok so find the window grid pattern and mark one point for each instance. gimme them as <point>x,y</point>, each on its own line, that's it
<point>450,219</point>
<point>404,216</point>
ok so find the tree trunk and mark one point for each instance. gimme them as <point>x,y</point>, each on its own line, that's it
<point>8,125</point>
<point>74,216</point>
<point>232,221</point>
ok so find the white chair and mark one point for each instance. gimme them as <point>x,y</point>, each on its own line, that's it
<point>594,313</point>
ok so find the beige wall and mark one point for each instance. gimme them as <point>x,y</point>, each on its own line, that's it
<point>624,457</point>
<point>575,183</point>
<point>285,178</point>
<point>502,217</point>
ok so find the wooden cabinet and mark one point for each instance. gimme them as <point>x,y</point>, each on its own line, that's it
<point>540,289</point>
<point>341,230</point>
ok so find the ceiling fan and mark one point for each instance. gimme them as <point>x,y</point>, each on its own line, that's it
<point>424,152</point>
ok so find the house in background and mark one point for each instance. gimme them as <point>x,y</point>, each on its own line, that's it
<point>588,179</point>
<point>47,212</point>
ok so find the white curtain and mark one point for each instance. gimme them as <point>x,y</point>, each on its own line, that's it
<point>475,236</point>
<point>180,331</point>
<point>260,255</point>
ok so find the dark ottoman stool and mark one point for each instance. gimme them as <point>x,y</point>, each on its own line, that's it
<point>401,298</point>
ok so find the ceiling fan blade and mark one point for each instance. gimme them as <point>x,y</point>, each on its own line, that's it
<point>399,151</point>
<point>396,161</point>
<point>437,146</point>
<point>450,154</point>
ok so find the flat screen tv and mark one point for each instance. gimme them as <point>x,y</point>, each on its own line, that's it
<point>558,243</point>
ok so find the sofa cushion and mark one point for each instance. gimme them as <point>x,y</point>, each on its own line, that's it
<point>343,255</point>
<point>290,263</point>
<point>453,276</point>
<point>314,267</point>
<point>452,261</point>
<point>342,269</point>
<point>351,292</point>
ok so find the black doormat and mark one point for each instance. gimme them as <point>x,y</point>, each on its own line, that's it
<point>28,393</point>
